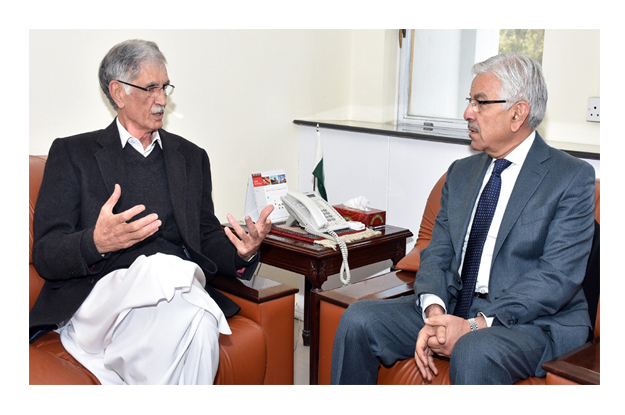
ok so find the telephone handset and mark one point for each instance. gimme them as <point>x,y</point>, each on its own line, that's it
<point>319,218</point>
<point>308,209</point>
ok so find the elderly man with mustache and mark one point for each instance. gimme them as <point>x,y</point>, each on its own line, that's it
<point>126,238</point>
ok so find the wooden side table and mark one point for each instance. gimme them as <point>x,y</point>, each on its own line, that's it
<point>316,263</point>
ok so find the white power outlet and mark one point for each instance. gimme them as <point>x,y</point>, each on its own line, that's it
<point>592,110</point>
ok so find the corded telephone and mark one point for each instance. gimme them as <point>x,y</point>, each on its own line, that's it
<point>317,217</point>
<point>308,209</point>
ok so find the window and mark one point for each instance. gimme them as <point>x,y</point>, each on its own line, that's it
<point>527,41</point>
<point>435,73</point>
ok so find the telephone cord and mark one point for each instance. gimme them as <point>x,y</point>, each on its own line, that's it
<point>332,236</point>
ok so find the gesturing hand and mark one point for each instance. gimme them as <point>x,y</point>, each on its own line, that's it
<point>247,243</point>
<point>112,232</point>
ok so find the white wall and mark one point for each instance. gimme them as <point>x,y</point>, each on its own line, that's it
<point>237,91</point>
<point>571,69</point>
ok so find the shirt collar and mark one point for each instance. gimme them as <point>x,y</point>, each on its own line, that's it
<point>124,136</point>
<point>518,155</point>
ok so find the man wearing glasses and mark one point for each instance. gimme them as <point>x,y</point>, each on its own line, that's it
<point>498,289</point>
<point>126,238</point>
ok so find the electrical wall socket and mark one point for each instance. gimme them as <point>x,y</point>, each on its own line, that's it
<point>592,110</point>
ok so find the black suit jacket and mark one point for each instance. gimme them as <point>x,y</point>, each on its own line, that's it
<point>79,177</point>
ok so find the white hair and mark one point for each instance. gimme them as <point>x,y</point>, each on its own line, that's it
<point>124,62</point>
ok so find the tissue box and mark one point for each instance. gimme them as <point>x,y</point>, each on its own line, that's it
<point>371,217</point>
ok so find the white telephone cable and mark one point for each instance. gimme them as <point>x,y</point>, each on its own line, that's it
<point>332,236</point>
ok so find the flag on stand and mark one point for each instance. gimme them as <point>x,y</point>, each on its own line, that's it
<point>317,170</point>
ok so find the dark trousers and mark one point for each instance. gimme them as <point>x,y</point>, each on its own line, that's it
<point>374,332</point>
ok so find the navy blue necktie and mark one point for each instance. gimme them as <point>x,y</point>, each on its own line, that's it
<point>481,223</point>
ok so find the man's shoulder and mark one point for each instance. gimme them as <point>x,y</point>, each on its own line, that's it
<point>179,141</point>
<point>563,158</point>
<point>470,164</point>
<point>87,138</point>
<point>560,163</point>
<point>82,138</point>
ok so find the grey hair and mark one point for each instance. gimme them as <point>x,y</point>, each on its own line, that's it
<point>521,79</point>
<point>124,62</point>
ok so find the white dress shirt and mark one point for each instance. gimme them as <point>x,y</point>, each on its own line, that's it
<point>126,137</point>
<point>508,180</point>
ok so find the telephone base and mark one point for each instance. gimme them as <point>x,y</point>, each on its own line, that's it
<point>356,226</point>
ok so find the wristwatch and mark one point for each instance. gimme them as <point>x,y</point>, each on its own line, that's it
<point>473,324</point>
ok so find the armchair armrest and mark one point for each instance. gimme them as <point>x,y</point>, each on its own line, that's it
<point>250,294</point>
<point>389,285</point>
<point>333,303</point>
<point>579,366</point>
<point>271,305</point>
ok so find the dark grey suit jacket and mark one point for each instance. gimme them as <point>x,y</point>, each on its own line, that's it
<point>79,177</point>
<point>541,250</point>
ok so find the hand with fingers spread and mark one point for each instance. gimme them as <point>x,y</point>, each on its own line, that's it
<point>113,232</point>
<point>247,243</point>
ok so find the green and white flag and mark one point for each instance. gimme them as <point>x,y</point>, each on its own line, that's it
<point>317,170</point>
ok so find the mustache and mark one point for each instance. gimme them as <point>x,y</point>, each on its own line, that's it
<point>473,126</point>
<point>158,108</point>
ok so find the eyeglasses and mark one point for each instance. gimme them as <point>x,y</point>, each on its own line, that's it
<point>476,104</point>
<point>153,90</point>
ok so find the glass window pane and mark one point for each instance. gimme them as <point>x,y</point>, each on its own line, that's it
<point>441,72</point>
<point>435,70</point>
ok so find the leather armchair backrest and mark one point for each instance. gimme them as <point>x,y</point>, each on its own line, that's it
<point>432,206</point>
<point>35,175</point>
<point>411,261</point>
<point>597,332</point>
<point>597,201</point>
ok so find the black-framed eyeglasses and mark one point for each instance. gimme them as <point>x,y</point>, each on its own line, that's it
<point>476,104</point>
<point>153,90</point>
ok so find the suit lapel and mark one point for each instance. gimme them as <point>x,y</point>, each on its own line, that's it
<point>532,174</point>
<point>470,191</point>
<point>110,158</point>
<point>175,168</point>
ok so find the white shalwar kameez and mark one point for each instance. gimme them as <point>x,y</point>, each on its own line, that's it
<point>152,323</point>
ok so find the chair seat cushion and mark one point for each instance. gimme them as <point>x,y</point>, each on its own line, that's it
<point>242,358</point>
<point>243,354</point>
<point>405,372</point>
<point>50,364</point>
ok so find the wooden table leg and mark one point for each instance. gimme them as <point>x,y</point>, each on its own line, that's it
<point>313,378</point>
<point>307,302</point>
<point>313,321</point>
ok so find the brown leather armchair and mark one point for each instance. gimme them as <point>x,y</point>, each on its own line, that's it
<point>576,367</point>
<point>259,351</point>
